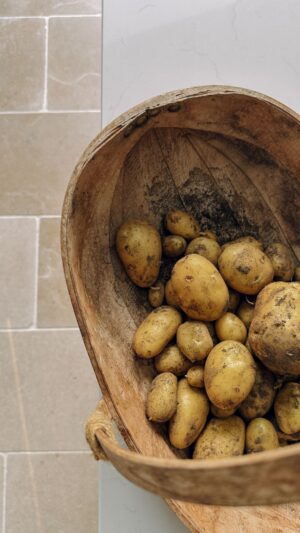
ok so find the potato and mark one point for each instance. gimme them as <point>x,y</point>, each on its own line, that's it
<point>282,261</point>
<point>245,312</point>
<point>194,340</point>
<point>139,248</point>
<point>287,408</point>
<point>247,239</point>
<point>206,247</point>
<point>230,327</point>
<point>274,333</point>
<point>199,287</point>
<point>221,438</point>
<point>297,274</point>
<point>209,234</point>
<point>156,331</point>
<point>261,436</point>
<point>260,399</point>
<point>190,417</point>
<point>171,359</point>
<point>245,268</point>
<point>229,374</point>
<point>195,376</point>
<point>182,223</point>
<point>221,413</point>
<point>156,294</point>
<point>170,295</point>
<point>173,245</point>
<point>234,300</point>
<point>162,398</point>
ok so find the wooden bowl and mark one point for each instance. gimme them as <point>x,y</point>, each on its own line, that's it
<point>232,158</point>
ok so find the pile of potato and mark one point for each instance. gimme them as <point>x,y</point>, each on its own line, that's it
<point>225,345</point>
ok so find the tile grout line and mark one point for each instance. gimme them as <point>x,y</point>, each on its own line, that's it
<point>36,271</point>
<point>3,217</point>
<point>48,111</point>
<point>40,17</point>
<point>4,493</point>
<point>45,99</point>
<point>49,452</point>
<point>33,329</point>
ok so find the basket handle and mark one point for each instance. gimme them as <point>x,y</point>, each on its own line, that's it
<point>97,425</point>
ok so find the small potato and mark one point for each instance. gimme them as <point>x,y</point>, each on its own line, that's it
<point>234,300</point>
<point>260,399</point>
<point>209,234</point>
<point>139,248</point>
<point>229,374</point>
<point>170,295</point>
<point>173,245</point>
<point>221,413</point>
<point>245,268</point>
<point>245,312</point>
<point>282,261</point>
<point>297,274</point>
<point>206,247</point>
<point>221,438</point>
<point>230,327</point>
<point>199,287</point>
<point>261,436</point>
<point>287,408</point>
<point>194,340</point>
<point>162,398</point>
<point>156,331</point>
<point>182,223</point>
<point>156,294</point>
<point>247,239</point>
<point>171,359</point>
<point>190,417</point>
<point>195,376</point>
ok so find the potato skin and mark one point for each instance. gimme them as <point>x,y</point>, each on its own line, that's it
<point>171,359</point>
<point>221,413</point>
<point>261,436</point>
<point>282,261</point>
<point>245,268</point>
<point>234,300</point>
<point>194,340</point>
<point>156,294</point>
<point>156,331</point>
<point>199,287</point>
<point>173,245</point>
<point>260,399</point>
<point>230,327</point>
<point>170,295</point>
<point>195,376</point>
<point>246,239</point>
<point>274,333</point>
<point>139,248</point>
<point>162,398</point>
<point>287,408</point>
<point>245,312</point>
<point>209,234</point>
<point>221,438</point>
<point>206,247</point>
<point>182,223</point>
<point>190,417</point>
<point>229,374</point>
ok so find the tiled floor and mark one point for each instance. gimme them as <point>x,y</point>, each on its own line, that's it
<point>49,111</point>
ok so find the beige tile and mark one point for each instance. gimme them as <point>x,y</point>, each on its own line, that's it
<point>38,154</point>
<point>49,7</point>
<point>74,63</point>
<point>1,485</point>
<point>17,271</point>
<point>54,493</point>
<point>54,305</point>
<point>22,60</point>
<point>47,390</point>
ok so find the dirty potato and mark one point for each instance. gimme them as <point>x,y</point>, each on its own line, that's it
<point>287,408</point>
<point>209,234</point>
<point>170,296</point>
<point>195,376</point>
<point>260,399</point>
<point>156,331</point>
<point>171,359</point>
<point>162,398</point>
<point>261,436</point>
<point>221,413</point>
<point>182,223</point>
<point>190,417</point>
<point>245,312</point>
<point>156,294</point>
<point>230,327</point>
<point>282,261</point>
<point>173,245</point>
<point>206,247</point>
<point>194,340</point>
<point>221,438</point>
<point>247,239</point>
<point>234,300</point>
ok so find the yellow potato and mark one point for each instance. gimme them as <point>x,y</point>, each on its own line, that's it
<point>245,312</point>
<point>261,436</point>
<point>170,295</point>
<point>190,417</point>
<point>287,408</point>
<point>173,245</point>
<point>247,239</point>
<point>156,331</point>
<point>199,287</point>
<point>221,438</point>
<point>274,333</point>
<point>260,399</point>
<point>234,300</point>
<point>230,327</point>
<point>221,413</point>
<point>171,359</point>
<point>282,261</point>
<point>229,374</point>
<point>209,234</point>
<point>156,294</point>
<point>297,274</point>
<point>195,376</point>
<point>162,398</point>
<point>206,247</point>
<point>194,340</point>
<point>139,248</point>
<point>182,223</point>
<point>245,268</point>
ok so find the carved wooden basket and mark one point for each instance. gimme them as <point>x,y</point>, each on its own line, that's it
<point>232,158</point>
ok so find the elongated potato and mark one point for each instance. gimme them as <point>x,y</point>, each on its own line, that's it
<point>230,327</point>
<point>234,300</point>
<point>282,261</point>
<point>156,294</point>
<point>190,417</point>
<point>221,413</point>
<point>162,398</point>
<point>199,288</point>
<point>221,438</point>
<point>171,359</point>
<point>156,331</point>
<point>139,248</point>
<point>260,399</point>
<point>195,376</point>
<point>261,436</point>
<point>245,312</point>
<point>206,247</point>
<point>173,245</point>
<point>182,223</point>
<point>287,408</point>
<point>229,374</point>
<point>170,295</point>
<point>247,239</point>
<point>194,340</point>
